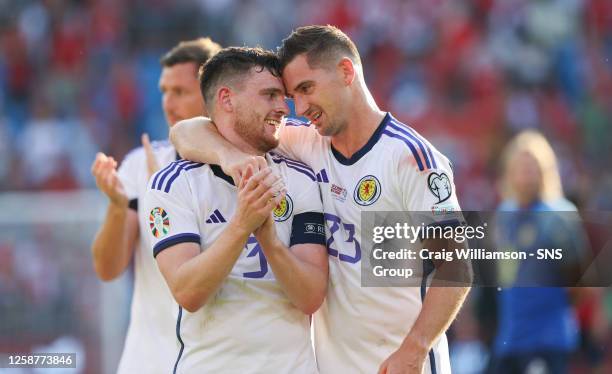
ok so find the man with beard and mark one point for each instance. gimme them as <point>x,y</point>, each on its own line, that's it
<point>149,344</point>
<point>366,160</point>
<point>246,264</point>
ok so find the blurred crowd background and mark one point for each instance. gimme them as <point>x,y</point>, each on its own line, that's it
<point>80,76</point>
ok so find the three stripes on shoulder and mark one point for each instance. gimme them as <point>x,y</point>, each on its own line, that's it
<point>165,177</point>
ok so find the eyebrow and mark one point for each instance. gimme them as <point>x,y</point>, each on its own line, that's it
<point>267,91</point>
<point>302,84</point>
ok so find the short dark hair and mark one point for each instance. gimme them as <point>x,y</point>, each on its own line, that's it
<point>197,51</point>
<point>229,65</point>
<point>321,44</point>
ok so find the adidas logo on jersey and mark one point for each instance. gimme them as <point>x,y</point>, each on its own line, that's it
<point>322,176</point>
<point>216,217</point>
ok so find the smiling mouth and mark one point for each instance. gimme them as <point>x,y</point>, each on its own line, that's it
<point>315,116</point>
<point>273,122</point>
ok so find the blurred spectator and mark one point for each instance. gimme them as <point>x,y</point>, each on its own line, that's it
<point>537,326</point>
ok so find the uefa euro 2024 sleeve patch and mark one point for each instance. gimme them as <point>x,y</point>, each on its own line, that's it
<point>284,209</point>
<point>440,186</point>
<point>159,221</point>
<point>367,190</point>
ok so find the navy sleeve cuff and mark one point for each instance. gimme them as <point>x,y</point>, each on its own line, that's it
<point>308,228</point>
<point>133,204</point>
<point>174,240</point>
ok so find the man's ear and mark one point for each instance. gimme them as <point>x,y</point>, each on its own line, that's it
<point>347,69</point>
<point>224,99</point>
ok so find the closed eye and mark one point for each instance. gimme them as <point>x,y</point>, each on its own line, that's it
<point>305,88</point>
<point>271,93</point>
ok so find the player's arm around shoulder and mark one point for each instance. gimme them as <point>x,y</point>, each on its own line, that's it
<point>302,268</point>
<point>298,140</point>
<point>114,243</point>
<point>197,139</point>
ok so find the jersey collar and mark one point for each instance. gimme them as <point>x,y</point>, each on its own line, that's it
<point>218,172</point>
<point>366,148</point>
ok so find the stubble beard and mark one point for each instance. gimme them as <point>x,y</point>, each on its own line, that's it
<point>333,128</point>
<point>250,129</point>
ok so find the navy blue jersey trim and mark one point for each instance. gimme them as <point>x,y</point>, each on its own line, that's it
<point>428,268</point>
<point>433,159</point>
<point>296,162</point>
<point>432,362</point>
<point>409,132</point>
<point>178,336</point>
<point>309,173</point>
<point>174,240</point>
<point>160,172</point>
<point>173,170</point>
<point>413,132</point>
<point>322,176</point>
<point>178,172</point>
<point>277,158</point>
<point>415,154</point>
<point>305,172</point>
<point>176,168</point>
<point>133,204</point>
<point>295,122</point>
<point>418,142</point>
<point>218,172</point>
<point>366,148</point>
<point>308,228</point>
<point>421,141</point>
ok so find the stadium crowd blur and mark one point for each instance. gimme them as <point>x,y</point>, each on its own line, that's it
<point>79,76</point>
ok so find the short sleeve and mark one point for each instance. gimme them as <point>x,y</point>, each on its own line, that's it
<point>308,226</point>
<point>170,216</point>
<point>129,172</point>
<point>430,193</point>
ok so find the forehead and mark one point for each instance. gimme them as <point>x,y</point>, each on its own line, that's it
<point>298,71</point>
<point>260,78</point>
<point>183,72</point>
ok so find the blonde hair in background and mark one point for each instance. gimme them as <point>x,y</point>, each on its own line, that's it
<point>536,145</point>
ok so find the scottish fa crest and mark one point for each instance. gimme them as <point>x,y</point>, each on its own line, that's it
<point>283,210</point>
<point>367,190</point>
<point>440,186</point>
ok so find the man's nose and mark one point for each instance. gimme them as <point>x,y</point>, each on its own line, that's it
<point>301,106</point>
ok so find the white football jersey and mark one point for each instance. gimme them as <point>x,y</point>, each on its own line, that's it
<point>249,325</point>
<point>150,341</point>
<point>357,327</point>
